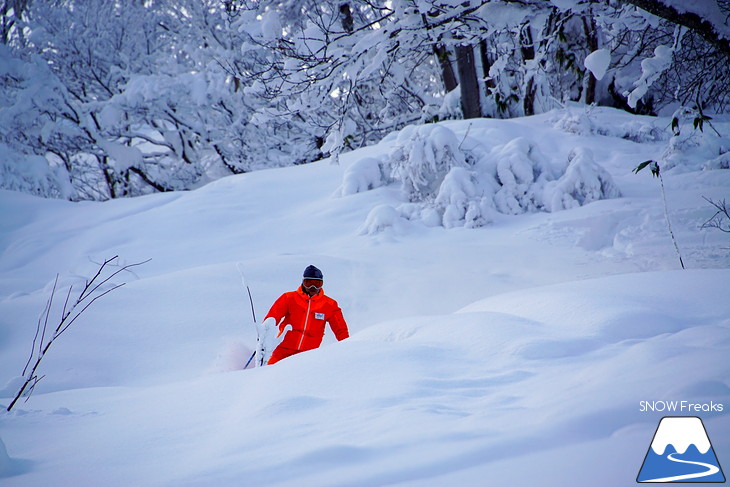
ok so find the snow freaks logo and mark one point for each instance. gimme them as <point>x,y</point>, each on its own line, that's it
<point>680,452</point>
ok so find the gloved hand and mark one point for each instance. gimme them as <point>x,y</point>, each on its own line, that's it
<point>270,336</point>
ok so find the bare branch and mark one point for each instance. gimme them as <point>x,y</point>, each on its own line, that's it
<point>721,219</point>
<point>69,314</point>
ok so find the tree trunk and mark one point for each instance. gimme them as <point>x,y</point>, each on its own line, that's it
<point>486,64</point>
<point>444,59</point>
<point>348,24</point>
<point>527,48</point>
<point>447,69</point>
<point>468,82</point>
<point>589,81</point>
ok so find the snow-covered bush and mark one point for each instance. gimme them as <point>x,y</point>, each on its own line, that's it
<point>720,162</point>
<point>380,218</point>
<point>451,106</point>
<point>583,182</point>
<point>521,171</point>
<point>696,144</point>
<point>638,131</point>
<point>363,175</point>
<point>422,157</point>
<point>599,121</point>
<point>577,122</point>
<point>32,174</point>
<point>461,200</point>
<point>450,187</point>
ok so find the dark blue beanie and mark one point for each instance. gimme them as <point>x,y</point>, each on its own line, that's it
<point>312,272</point>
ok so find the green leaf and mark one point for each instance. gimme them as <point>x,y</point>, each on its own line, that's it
<point>642,166</point>
<point>699,121</point>
<point>654,166</point>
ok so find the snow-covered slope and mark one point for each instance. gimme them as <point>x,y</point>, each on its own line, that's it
<point>517,353</point>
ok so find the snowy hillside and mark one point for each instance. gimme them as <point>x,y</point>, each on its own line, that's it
<point>513,306</point>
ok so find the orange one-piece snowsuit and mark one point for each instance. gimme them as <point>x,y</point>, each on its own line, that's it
<point>307,316</point>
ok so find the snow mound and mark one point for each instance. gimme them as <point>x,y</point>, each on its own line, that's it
<point>10,468</point>
<point>363,175</point>
<point>381,218</point>
<point>6,465</point>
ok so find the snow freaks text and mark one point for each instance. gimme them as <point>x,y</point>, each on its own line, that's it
<point>680,407</point>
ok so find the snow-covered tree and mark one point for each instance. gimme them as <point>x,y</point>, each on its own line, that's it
<point>163,95</point>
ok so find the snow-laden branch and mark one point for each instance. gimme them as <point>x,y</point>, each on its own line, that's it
<point>704,27</point>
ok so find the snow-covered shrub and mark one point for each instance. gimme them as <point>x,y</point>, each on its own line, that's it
<point>363,175</point>
<point>32,174</point>
<point>639,131</point>
<point>720,162</point>
<point>460,201</point>
<point>577,121</point>
<point>380,218</point>
<point>521,171</point>
<point>583,182</point>
<point>422,157</point>
<point>451,106</point>
<point>696,144</point>
<point>599,121</point>
<point>445,186</point>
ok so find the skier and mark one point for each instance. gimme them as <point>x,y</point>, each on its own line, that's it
<point>307,310</point>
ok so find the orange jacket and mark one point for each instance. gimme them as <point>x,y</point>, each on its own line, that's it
<point>307,316</point>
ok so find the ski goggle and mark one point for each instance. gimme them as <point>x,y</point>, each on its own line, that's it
<point>312,283</point>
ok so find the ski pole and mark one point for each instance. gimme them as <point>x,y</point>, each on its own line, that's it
<point>245,284</point>
<point>250,359</point>
<point>250,300</point>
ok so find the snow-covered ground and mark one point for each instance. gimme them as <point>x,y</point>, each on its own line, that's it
<point>522,352</point>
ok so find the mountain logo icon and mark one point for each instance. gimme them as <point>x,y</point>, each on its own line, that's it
<point>680,452</point>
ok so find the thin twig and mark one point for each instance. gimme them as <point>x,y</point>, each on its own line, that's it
<point>716,220</point>
<point>69,314</point>
<point>669,222</point>
<point>60,330</point>
<point>48,312</point>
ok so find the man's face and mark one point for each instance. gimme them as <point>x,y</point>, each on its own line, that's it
<point>311,286</point>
